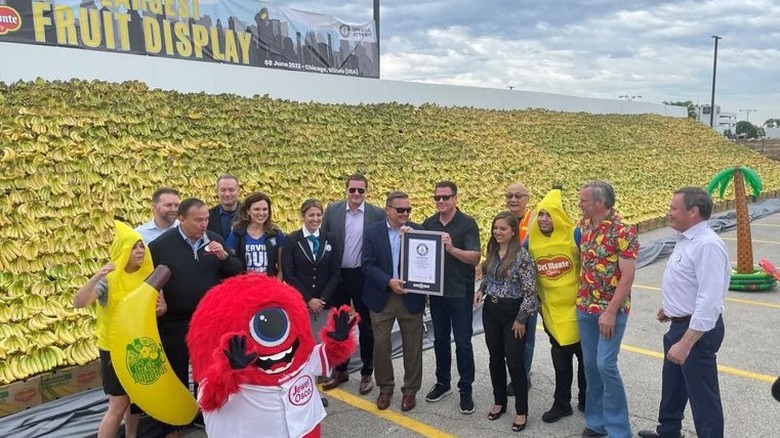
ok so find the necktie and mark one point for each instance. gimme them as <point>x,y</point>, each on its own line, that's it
<point>315,244</point>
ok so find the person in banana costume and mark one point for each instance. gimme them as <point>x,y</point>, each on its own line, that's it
<point>553,242</point>
<point>130,264</point>
<point>255,359</point>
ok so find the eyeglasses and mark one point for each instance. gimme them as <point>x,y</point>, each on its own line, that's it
<point>445,198</point>
<point>515,195</point>
<point>402,210</point>
<point>360,190</point>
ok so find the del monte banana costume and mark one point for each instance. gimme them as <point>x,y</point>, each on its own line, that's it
<point>553,242</point>
<point>126,307</point>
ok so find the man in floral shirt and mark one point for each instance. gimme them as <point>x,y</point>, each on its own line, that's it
<point>608,254</point>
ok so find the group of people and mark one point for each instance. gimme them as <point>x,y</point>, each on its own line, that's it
<point>578,276</point>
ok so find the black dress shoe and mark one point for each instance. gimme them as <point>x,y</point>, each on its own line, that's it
<point>556,413</point>
<point>590,433</point>
<point>517,427</point>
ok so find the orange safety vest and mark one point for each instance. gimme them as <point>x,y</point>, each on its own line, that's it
<point>522,230</point>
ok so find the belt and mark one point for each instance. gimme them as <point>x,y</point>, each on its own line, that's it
<point>495,300</point>
<point>679,319</point>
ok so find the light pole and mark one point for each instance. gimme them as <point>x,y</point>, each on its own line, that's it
<point>378,47</point>
<point>714,70</point>
<point>747,113</point>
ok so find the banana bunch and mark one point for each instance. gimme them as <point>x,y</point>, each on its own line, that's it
<point>8,155</point>
<point>64,333</point>
<point>40,322</point>
<point>9,251</point>
<point>82,352</point>
<point>33,302</point>
<point>54,309</point>
<point>15,344</point>
<point>10,329</point>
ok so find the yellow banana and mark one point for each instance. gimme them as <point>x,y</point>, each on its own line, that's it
<point>139,360</point>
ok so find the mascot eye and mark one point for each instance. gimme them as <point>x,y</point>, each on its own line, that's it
<point>270,327</point>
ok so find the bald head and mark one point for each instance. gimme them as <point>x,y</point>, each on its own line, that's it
<point>517,197</point>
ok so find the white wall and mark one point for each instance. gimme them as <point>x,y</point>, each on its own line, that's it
<point>27,62</point>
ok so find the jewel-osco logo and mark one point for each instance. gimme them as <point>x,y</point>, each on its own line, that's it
<point>10,20</point>
<point>553,267</point>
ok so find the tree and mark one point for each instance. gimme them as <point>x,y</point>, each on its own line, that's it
<point>692,114</point>
<point>750,130</point>
<point>772,123</point>
<point>740,175</point>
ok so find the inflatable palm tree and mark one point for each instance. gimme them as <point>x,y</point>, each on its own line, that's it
<point>740,175</point>
<point>746,277</point>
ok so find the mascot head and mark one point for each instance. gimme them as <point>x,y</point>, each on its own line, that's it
<point>270,314</point>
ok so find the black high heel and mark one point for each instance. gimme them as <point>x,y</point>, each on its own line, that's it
<point>518,427</point>
<point>495,416</point>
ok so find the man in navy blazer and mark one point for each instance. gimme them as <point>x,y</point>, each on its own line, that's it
<point>384,295</point>
<point>345,221</point>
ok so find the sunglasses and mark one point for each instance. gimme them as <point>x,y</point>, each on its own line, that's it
<point>402,210</point>
<point>360,190</point>
<point>442,198</point>
<point>515,195</point>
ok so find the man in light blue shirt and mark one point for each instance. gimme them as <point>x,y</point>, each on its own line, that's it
<point>693,292</point>
<point>165,205</point>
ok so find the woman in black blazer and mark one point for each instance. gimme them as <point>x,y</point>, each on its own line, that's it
<point>311,262</point>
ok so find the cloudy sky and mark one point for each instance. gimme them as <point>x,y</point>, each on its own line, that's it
<point>659,50</point>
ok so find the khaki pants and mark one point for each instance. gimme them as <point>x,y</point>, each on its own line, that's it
<point>411,337</point>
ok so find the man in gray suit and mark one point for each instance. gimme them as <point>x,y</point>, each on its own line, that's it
<point>345,221</point>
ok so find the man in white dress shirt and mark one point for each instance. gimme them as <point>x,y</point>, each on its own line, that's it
<point>693,291</point>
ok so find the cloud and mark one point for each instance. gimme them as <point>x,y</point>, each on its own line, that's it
<point>660,50</point>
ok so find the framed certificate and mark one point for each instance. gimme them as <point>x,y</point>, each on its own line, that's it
<point>422,262</point>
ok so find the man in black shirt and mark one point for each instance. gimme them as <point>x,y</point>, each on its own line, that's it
<point>453,311</point>
<point>198,261</point>
<point>222,215</point>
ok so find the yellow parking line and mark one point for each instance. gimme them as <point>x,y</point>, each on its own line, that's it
<point>394,417</point>
<point>764,225</point>
<point>771,242</point>
<point>733,300</point>
<point>721,368</point>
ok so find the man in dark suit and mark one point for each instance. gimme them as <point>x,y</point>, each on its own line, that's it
<point>384,295</point>
<point>345,221</point>
<point>222,215</point>
<point>198,260</point>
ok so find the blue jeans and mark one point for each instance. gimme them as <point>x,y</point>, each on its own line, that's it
<point>606,406</point>
<point>453,315</point>
<point>530,341</point>
<point>695,380</point>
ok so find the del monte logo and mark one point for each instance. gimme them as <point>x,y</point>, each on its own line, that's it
<point>10,20</point>
<point>553,267</point>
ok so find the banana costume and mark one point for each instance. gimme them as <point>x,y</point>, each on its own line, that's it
<point>558,267</point>
<point>129,331</point>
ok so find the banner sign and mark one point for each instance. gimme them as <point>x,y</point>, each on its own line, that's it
<point>241,32</point>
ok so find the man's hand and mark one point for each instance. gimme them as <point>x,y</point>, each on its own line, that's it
<point>607,324</point>
<point>446,240</point>
<point>478,297</point>
<point>661,316</point>
<point>396,285</point>
<point>216,248</point>
<point>236,353</point>
<point>342,324</point>
<point>678,353</point>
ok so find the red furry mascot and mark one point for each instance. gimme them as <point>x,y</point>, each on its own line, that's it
<point>254,357</point>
